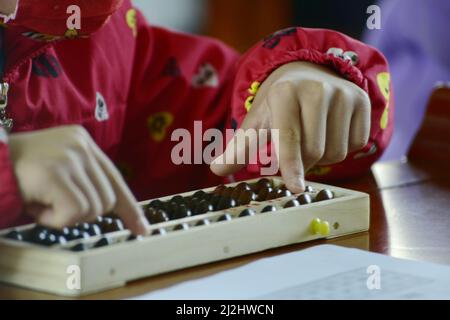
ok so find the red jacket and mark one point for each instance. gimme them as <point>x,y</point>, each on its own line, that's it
<point>131,84</point>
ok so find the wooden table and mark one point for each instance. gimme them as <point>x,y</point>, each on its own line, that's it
<point>410,219</point>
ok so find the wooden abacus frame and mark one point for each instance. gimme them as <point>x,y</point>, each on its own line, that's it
<point>48,268</point>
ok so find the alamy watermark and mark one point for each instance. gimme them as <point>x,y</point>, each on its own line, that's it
<point>73,281</point>
<point>374,279</point>
<point>245,147</point>
<point>374,19</point>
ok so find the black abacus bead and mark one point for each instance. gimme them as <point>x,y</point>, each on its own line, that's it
<point>159,232</point>
<point>309,189</point>
<point>103,242</point>
<point>91,229</point>
<point>157,204</point>
<point>181,227</point>
<point>226,203</point>
<point>177,200</point>
<point>285,193</point>
<point>135,238</point>
<point>181,212</point>
<point>247,213</point>
<point>203,207</point>
<point>199,194</point>
<point>15,235</point>
<point>262,183</point>
<point>325,195</point>
<point>111,225</point>
<point>269,208</point>
<point>292,204</point>
<point>304,199</point>
<point>215,199</point>
<point>204,222</point>
<point>225,217</point>
<point>157,216</point>
<point>79,247</point>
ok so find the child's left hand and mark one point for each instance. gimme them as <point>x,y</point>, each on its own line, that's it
<point>321,118</point>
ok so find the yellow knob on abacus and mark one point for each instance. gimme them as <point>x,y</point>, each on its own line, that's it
<point>319,227</point>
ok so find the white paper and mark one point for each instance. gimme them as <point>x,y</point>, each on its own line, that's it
<point>322,272</point>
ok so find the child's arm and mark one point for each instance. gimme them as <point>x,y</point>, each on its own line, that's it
<point>181,78</point>
<point>363,73</point>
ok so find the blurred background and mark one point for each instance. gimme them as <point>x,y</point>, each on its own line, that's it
<point>242,23</point>
<point>414,38</point>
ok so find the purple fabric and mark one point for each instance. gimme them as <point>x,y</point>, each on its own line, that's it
<point>416,41</point>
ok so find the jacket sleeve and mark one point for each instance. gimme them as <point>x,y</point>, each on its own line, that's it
<point>177,79</point>
<point>10,199</point>
<point>353,60</point>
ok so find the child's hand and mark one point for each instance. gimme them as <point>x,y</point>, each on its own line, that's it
<point>65,178</point>
<point>321,117</point>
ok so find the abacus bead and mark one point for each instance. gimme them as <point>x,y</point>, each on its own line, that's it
<point>262,183</point>
<point>37,231</point>
<point>273,194</point>
<point>284,193</point>
<point>199,194</point>
<point>157,216</point>
<point>203,222</point>
<point>14,235</point>
<point>247,213</point>
<point>191,202</point>
<point>236,194</point>
<point>220,189</point>
<point>324,195</point>
<point>172,208</point>
<point>226,203</point>
<point>177,199</point>
<point>243,186</point>
<point>157,204</point>
<point>269,208</point>
<point>159,232</point>
<point>207,196</point>
<point>246,197</point>
<point>225,217</point>
<point>39,236</point>
<point>264,194</point>
<point>79,247</point>
<point>181,212</point>
<point>239,189</point>
<point>292,204</point>
<point>203,207</point>
<point>103,242</point>
<point>112,225</point>
<point>304,199</point>
<point>309,189</point>
<point>181,227</point>
<point>215,200</point>
<point>227,192</point>
<point>92,229</point>
<point>135,238</point>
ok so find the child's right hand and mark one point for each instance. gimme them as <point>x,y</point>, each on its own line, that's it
<point>65,178</point>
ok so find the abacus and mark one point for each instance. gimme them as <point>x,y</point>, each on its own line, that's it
<point>186,230</point>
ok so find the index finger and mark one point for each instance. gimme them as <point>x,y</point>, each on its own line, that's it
<point>126,207</point>
<point>286,119</point>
